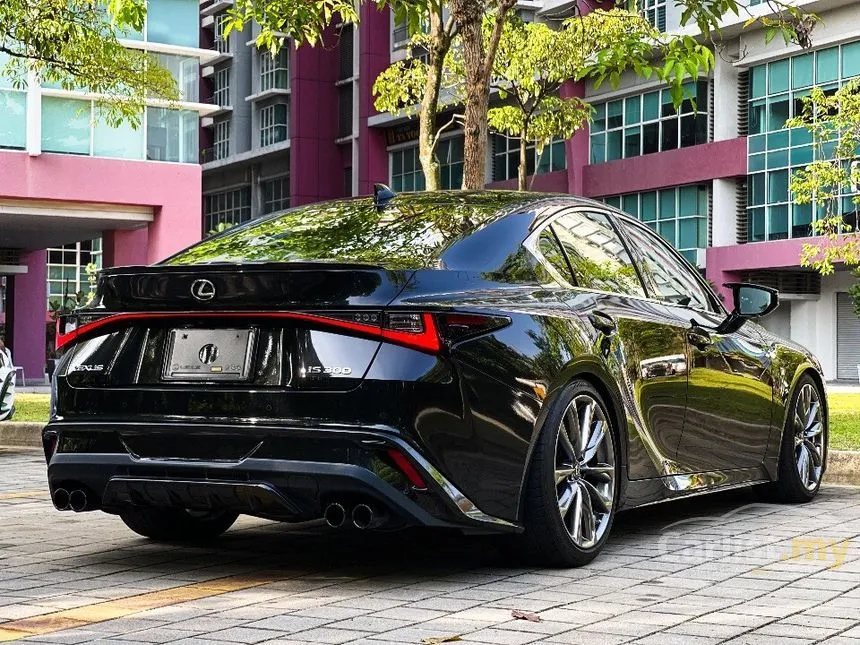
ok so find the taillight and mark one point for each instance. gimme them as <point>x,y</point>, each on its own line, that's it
<point>405,466</point>
<point>454,327</point>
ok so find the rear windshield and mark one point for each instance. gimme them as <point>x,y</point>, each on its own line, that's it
<point>412,232</point>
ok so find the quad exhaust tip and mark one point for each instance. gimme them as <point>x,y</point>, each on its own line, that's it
<point>61,499</point>
<point>78,500</point>
<point>335,515</point>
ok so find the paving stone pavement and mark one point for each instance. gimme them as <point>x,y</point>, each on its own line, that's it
<point>718,569</point>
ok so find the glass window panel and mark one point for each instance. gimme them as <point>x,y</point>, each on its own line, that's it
<point>801,220</point>
<point>599,122</point>
<point>688,201</point>
<point>778,76</point>
<point>66,125</point>
<point>171,135</point>
<point>778,222</point>
<point>826,65</point>
<point>757,143</point>
<point>755,224</point>
<point>688,232</point>
<point>598,148</point>
<point>756,189</point>
<point>667,108</point>
<point>850,60</point>
<point>777,186</point>
<point>13,123</point>
<point>614,201</point>
<point>701,128</point>
<point>669,134</point>
<point>598,257</point>
<point>800,136</point>
<point>667,203</point>
<point>758,85</point>
<point>757,113</point>
<point>802,74</point>
<point>649,206</point>
<point>651,106</point>
<point>174,22</point>
<point>123,142</point>
<point>667,231</point>
<point>756,163</point>
<point>778,139</point>
<point>632,142</point>
<point>777,109</point>
<point>613,145</point>
<point>688,130</point>
<point>778,159</point>
<point>802,155</point>
<point>614,111</point>
<point>630,204</point>
<point>632,110</point>
<point>650,138</point>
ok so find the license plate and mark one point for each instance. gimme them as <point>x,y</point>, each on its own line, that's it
<point>209,355</point>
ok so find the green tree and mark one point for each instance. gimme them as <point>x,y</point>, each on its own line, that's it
<point>831,183</point>
<point>74,44</point>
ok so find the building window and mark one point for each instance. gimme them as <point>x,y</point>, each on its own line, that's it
<point>226,208</point>
<point>679,215</point>
<point>654,12</point>
<point>172,135</point>
<point>406,171</point>
<point>221,94</point>
<point>185,71</point>
<point>506,157</point>
<point>344,110</point>
<point>13,107</point>
<point>774,153</point>
<point>274,121</point>
<point>173,22</point>
<point>222,43</point>
<point>275,194</point>
<point>67,270</point>
<point>66,125</point>
<point>648,123</point>
<point>400,34</point>
<point>221,141</point>
<point>275,70</point>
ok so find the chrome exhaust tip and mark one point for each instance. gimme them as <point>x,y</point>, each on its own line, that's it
<point>61,499</point>
<point>78,500</point>
<point>335,515</point>
<point>362,516</point>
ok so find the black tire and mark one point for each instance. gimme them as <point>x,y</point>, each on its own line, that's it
<point>789,487</point>
<point>176,525</point>
<point>547,540</point>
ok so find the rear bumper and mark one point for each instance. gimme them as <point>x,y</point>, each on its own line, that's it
<point>289,489</point>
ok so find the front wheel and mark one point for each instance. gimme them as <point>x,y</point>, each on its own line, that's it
<point>803,452</point>
<point>177,525</point>
<point>571,489</point>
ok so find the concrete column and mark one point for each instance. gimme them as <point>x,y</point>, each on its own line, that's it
<point>725,81</point>
<point>125,248</point>
<point>374,56</point>
<point>724,223</point>
<point>27,316</point>
<point>576,149</point>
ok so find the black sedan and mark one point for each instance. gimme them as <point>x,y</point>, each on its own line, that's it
<point>487,361</point>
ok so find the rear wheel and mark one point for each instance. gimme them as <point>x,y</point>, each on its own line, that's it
<point>570,492</point>
<point>804,446</point>
<point>177,525</point>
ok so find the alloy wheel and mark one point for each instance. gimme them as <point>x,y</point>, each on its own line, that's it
<point>808,436</point>
<point>585,471</point>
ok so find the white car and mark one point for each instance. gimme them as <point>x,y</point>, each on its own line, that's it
<point>7,387</point>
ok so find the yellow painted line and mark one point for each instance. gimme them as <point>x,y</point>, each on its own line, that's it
<point>119,608</point>
<point>21,494</point>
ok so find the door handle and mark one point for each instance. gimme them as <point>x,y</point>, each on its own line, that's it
<point>602,322</point>
<point>699,337</point>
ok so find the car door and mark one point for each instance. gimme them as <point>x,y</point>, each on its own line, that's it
<point>729,393</point>
<point>648,344</point>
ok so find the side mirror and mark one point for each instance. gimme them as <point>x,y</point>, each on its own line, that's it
<point>750,301</point>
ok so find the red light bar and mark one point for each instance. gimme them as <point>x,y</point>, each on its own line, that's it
<point>425,341</point>
<point>407,468</point>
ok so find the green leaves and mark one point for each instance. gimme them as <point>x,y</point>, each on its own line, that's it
<point>73,44</point>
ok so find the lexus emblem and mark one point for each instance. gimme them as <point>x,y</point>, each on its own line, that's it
<point>208,354</point>
<point>203,289</point>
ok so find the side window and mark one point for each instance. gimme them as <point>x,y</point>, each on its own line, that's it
<point>553,255</point>
<point>673,280</point>
<point>596,253</point>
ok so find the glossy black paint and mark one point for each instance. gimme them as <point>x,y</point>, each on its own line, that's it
<point>695,408</point>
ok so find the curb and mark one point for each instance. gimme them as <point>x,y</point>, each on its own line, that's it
<point>843,466</point>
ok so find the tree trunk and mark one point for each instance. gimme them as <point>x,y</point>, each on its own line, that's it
<point>429,111</point>
<point>521,170</point>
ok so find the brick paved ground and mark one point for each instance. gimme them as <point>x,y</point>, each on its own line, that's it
<point>731,571</point>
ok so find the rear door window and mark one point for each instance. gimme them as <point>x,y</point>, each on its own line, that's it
<point>597,255</point>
